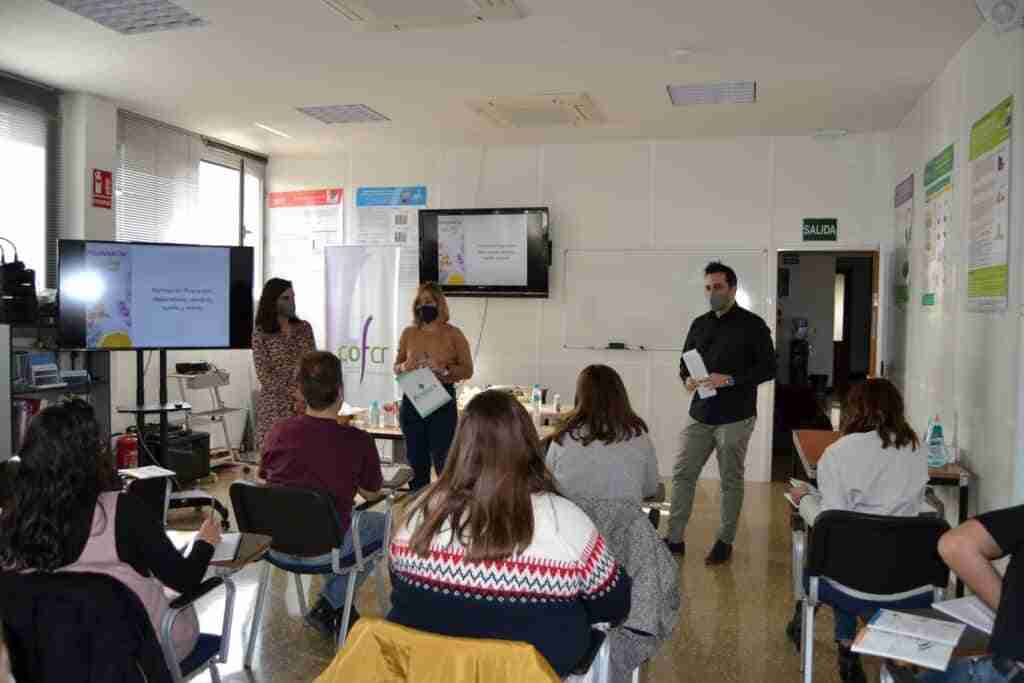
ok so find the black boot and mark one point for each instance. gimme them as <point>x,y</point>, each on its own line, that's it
<point>850,670</point>
<point>322,618</point>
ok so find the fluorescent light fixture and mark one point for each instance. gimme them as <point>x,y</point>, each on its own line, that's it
<point>726,92</point>
<point>134,16</point>
<point>839,306</point>
<point>831,133</point>
<point>275,131</point>
<point>344,113</point>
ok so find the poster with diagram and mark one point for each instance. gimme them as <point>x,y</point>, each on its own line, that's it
<point>988,258</point>
<point>391,215</point>
<point>938,223</point>
<point>903,205</point>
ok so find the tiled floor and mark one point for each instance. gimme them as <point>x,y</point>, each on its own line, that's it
<point>731,628</point>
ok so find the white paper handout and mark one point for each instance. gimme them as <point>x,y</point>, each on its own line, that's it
<point>926,653</point>
<point>147,472</point>
<point>695,366</point>
<point>424,390</point>
<point>970,610</point>
<point>901,623</point>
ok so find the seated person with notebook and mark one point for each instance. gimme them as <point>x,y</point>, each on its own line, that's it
<point>875,468</point>
<point>314,451</point>
<point>969,550</point>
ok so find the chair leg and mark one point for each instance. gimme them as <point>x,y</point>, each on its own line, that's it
<point>350,597</point>
<point>382,570</point>
<point>257,615</point>
<point>300,593</point>
<point>214,674</point>
<point>807,651</point>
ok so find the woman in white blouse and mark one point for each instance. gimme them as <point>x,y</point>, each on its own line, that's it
<point>876,468</point>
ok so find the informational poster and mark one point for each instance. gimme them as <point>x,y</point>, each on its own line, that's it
<point>988,264</point>
<point>938,223</point>
<point>903,219</point>
<point>365,314</point>
<point>388,215</point>
<point>300,225</point>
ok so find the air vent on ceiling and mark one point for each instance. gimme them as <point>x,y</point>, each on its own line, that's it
<point>344,113</point>
<point>729,92</point>
<point>400,15</point>
<point>533,111</point>
<point>134,16</point>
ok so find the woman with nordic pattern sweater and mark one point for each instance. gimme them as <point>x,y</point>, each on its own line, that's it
<point>491,550</point>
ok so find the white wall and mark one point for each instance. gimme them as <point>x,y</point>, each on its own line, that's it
<point>712,194</point>
<point>966,366</point>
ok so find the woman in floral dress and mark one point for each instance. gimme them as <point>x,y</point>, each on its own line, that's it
<point>279,341</point>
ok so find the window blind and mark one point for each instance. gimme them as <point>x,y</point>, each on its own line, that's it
<point>31,178</point>
<point>157,179</point>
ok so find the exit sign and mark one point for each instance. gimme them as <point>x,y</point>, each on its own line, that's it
<point>821,229</point>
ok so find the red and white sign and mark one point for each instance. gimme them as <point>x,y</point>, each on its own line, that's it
<point>102,189</point>
<point>326,197</point>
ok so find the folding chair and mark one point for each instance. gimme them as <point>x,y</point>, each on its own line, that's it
<point>304,522</point>
<point>859,562</point>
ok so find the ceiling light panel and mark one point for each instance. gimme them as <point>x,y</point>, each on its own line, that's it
<point>729,92</point>
<point>134,16</point>
<point>401,15</point>
<point>344,113</point>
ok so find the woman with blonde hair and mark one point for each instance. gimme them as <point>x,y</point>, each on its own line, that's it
<point>491,550</point>
<point>431,342</point>
<point>602,448</point>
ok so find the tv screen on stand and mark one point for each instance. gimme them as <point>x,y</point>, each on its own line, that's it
<point>486,252</point>
<point>125,295</point>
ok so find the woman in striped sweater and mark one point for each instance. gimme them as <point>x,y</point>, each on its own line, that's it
<point>490,550</point>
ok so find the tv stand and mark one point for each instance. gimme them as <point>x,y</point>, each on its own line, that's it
<point>163,408</point>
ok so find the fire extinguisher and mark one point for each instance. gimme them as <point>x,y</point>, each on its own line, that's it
<point>126,448</point>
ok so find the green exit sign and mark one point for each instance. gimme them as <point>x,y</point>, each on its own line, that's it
<point>821,229</point>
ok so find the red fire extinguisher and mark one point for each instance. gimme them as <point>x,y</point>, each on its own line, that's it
<point>127,451</point>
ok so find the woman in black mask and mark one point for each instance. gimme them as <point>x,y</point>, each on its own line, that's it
<point>278,344</point>
<point>431,342</point>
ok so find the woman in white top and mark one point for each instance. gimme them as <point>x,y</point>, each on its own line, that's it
<point>602,449</point>
<point>876,468</point>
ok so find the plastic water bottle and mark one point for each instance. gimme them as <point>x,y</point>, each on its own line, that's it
<point>375,413</point>
<point>556,403</point>
<point>537,403</point>
<point>936,444</point>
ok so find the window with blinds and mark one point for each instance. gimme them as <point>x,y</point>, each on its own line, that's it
<point>31,176</point>
<point>175,186</point>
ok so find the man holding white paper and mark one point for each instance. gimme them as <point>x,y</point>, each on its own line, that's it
<point>727,354</point>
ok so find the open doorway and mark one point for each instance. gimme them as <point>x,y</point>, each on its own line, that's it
<point>826,341</point>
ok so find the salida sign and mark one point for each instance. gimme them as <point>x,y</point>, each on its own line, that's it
<point>821,229</point>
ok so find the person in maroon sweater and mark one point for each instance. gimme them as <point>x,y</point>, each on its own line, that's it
<point>314,451</point>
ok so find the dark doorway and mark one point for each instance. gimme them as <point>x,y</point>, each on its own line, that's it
<point>826,330</point>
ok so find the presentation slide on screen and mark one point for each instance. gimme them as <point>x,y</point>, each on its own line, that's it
<point>482,250</point>
<point>156,296</point>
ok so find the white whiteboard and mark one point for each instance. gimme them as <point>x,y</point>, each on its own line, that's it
<point>649,298</point>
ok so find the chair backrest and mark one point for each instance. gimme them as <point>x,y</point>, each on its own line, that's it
<point>877,554</point>
<point>300,521</point>
<point>78,627</point>
<point>379,650</point>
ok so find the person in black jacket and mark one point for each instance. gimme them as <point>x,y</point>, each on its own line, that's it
<point>736,346</point>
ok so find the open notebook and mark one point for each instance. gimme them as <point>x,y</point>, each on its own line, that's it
<point>910,638</point>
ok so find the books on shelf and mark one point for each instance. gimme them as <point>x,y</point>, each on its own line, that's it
<point>910,638</point>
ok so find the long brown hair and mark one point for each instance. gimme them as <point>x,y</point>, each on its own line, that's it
<point>603,412</point>
<point>494,466</point>
<point>434,289</point>
<point>876,406</point>
<point>266,311</point>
